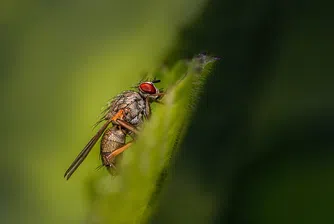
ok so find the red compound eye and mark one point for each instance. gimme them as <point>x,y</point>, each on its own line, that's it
<point>147,88</point>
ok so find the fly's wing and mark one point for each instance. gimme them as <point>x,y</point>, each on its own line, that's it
<point>112,107</point>
<point>83,154</point>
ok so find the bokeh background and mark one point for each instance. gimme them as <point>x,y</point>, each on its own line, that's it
<point>260,146</point>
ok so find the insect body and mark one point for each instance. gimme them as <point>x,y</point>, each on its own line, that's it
<point>126,112</point>
<point>113,138</point>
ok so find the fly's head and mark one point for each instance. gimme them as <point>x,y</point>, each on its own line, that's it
<point>149,90</point>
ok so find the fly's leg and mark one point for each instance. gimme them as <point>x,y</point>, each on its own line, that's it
<point>108,158</point>
<point>148,108</point>
<point>118,151</point>
<point>118,119</point>
<point>109,164</point>
<point>158,95</point>
<point>147,102</point>
<point>127,126</point>
<point>106,162</point>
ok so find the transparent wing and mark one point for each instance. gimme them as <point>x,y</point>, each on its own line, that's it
<point>83,154</point>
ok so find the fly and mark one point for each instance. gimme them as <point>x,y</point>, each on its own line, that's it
<point>125,112</point>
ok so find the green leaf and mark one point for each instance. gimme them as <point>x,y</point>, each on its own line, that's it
<point>126,198</point>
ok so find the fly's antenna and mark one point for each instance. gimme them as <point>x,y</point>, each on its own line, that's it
<point>155,80</point>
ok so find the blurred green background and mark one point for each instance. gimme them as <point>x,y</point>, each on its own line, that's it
<point>260,146</point>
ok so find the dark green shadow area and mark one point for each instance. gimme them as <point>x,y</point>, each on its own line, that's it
<point>259,149</point>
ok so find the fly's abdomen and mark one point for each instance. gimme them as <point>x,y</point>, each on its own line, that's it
<point>112,139</point>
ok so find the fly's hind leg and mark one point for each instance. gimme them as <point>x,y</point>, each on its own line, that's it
<point>110,164</point>
<point>106,161</point>
<point>118,151</point>
<point>109,159</point>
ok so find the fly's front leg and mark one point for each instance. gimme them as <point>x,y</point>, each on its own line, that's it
<point>159,95</point>
<point>148,108</point>
<point>147,102</point>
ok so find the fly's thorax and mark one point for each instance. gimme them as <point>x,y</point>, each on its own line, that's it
<point>134,112</point>
<point>133,106</point>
